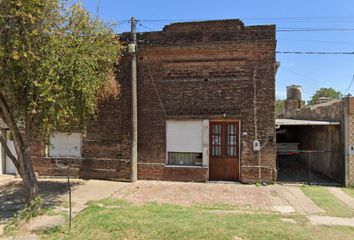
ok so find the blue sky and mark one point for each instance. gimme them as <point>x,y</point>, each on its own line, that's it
<point>310,71</point>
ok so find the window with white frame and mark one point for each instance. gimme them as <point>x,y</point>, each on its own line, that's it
<point>184,142</point>
<point>65,145</point>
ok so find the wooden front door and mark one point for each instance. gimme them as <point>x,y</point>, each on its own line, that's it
<point>224,150</point>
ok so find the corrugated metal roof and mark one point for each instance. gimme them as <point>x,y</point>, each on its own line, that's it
<point>297,122</point>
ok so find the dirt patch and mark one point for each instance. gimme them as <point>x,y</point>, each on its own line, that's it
<point>42,223</point>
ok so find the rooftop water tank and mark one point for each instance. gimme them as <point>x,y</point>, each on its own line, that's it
<point>293,92</point>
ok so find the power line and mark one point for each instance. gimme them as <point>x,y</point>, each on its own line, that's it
<point>289,29</point>
<point>264,20</point>
<point>279,29</point>
<point>314,41</point>
<point>315,53</point>
<point>304,76</point>
<point>143,26</point>
<point>290,52</point>
<point>250,18</point>
<point>351,82</point>
<point>154,85</point>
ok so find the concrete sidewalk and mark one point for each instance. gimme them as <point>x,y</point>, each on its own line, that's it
<point>243,198</point>
<point>277,198</point>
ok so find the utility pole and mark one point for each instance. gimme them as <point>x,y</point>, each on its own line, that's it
<point>134,149</point>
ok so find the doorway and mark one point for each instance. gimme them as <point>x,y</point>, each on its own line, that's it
<point>224,150</point>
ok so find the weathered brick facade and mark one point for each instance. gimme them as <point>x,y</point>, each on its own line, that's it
<point>197,70</point>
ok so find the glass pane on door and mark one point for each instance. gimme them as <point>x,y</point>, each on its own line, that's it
<point>231,137</point>
<point>216,139</point>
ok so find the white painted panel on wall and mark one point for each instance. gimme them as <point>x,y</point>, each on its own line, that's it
<point>10,166</point>
<point>184,135</point>
<point>65,145</point>
<point>206,142</point>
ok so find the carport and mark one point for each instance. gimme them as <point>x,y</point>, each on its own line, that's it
<point>309,151</point>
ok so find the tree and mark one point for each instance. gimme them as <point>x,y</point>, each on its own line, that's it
<point>325,92</point>
<point>56,62</point>
<point>279,106</point>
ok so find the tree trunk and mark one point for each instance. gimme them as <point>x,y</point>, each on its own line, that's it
<point>23,162</point>
<point>28,176</point>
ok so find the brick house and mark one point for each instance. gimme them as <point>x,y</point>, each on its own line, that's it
<point>206,92</point>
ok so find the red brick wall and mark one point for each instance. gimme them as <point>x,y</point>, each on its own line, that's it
<point>161,172</point>
<point>188,70</point>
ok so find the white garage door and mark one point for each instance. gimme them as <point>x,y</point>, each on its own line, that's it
<point>184,136</point>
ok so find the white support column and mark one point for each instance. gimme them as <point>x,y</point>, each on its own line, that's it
<point>205,143</point>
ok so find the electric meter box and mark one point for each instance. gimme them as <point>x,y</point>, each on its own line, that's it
<point>131,48</point>
<point>256,145</point>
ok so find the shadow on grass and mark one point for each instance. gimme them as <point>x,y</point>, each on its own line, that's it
<point>12,196</point>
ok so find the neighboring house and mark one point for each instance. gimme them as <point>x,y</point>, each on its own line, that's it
<point>325,130</point>
<point>206,93</point>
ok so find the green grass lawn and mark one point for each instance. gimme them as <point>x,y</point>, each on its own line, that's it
<point>328,202</point>
<point>349,191</point>
<point>115,219</point>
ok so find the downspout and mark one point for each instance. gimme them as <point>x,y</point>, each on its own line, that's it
<point>255,121</point>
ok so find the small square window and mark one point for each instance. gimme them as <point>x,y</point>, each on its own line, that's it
<point>185,159</point>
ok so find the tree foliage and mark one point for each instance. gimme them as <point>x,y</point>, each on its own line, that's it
<point>279,106</point>
<point>325,92</point>
<point>56,62</point>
